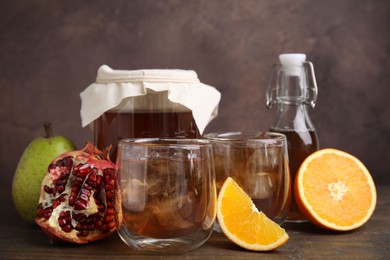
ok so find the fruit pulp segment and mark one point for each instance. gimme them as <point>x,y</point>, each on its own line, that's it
<point>341,185</point>
<point>240,215</point>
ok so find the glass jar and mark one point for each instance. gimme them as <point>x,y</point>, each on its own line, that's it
<point>148,103</point>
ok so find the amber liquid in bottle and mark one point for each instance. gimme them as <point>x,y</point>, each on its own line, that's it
<point>300,145</point>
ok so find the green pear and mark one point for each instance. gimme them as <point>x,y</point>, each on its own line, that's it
<point>32,168</point>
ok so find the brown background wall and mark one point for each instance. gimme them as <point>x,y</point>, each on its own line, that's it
<point>50,52</point>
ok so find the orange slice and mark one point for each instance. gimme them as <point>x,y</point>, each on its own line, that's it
<point>334,190</point>
<point>243,224</point>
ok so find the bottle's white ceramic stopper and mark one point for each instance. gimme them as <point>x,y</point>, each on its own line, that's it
<point>292,63</point>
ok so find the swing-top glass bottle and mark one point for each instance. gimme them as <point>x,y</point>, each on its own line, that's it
<point>292,88</point>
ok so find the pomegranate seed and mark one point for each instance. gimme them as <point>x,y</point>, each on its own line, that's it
<point>55,204</point>
<point>67,228</point>
<point>100,207</point>
<point>84,198</point>
<point>110,211</point>
<point>111,225</point>
<point>104,228</point>
<point>92,178</point>
<point>75,189</point>
<point>47,189</point>
<point>83,233</point>
<point>40,210</point>
<point>86,192</point>
<point>80,205</point>
<point>60,189</point>
<point>87,186</point>
<point>51,167</point>
<point>68,162</point>
<point>71,200</point>
<point>79,181</point>
<point>62,181</point>
<point>109,194</point>
<point>84,170</point>
<point>77,167</point>
<point>78,227</point>
<point>109,218</point>
<point>109,174</point>
<point>47,212</point>
<point>64,214</point>
<point>96,193</point>
<point>110,204</point>
<point>61,162</point>
<point>91,226</point>
<point>58,201</point>
<point>78,216</point>
<point>109,186</point>
<point>62,222</point>
<point>98,180</point>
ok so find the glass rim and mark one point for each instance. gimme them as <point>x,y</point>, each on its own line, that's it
<point>238,136</point>
<point>165,142</point>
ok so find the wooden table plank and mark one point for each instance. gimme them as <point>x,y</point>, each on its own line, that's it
<point>372,241</point>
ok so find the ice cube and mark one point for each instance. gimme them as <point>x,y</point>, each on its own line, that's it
<point>173,213</point>
<point>134,195</point>
<point>260,185</point>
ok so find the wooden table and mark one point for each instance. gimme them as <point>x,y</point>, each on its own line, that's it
<point>372,241</point>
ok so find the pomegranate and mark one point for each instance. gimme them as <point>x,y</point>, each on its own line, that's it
<point>76,202</point>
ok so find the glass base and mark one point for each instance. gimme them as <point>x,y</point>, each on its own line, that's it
<point>297,221</point>
<point>296,217</point>
<point>165,245</point>
<point>217,227</point>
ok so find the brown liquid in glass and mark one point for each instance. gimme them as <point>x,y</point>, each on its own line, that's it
<point>300,145</point>
<point>243,168</point>
<point>110,128</point>
<point>177,198</point>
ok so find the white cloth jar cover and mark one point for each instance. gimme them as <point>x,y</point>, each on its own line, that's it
<point>113,87</point>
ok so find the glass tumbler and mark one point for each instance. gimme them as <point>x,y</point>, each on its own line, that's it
<point>258,162</point>
<point>165,194</point>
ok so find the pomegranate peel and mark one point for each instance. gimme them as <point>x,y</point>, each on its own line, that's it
<point>76,202</point>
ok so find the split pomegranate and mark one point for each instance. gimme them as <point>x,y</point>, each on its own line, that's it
<point>76,202</point>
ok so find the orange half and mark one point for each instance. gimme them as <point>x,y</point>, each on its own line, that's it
<point>334,190</point>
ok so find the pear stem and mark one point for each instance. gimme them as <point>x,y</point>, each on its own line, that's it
<point>48,129</point>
